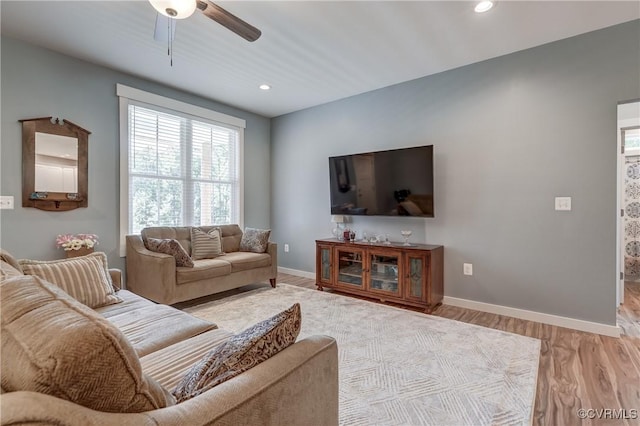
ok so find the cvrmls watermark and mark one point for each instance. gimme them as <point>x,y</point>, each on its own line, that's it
<point>608,413</point>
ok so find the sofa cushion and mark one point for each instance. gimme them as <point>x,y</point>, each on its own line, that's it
<point>171,247</point>
<point>169,365</point>
<point>205,245</point>
<point>242,260</point>
<point>255,240</point>
<point>7,270</point>
<point>150,328</point>
<point>203,269</point>
<point>7,257</point>
<point>240,353</point>
<point>180,233</point>
<point>55,345</point>
<point>84,278</point>
<point>231,235</point>
<point>131,302</point>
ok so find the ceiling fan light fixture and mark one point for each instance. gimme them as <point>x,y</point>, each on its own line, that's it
<point>483,6</point>
<point>176,9</point>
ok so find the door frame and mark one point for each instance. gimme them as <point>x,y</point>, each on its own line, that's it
<point>621,125</point>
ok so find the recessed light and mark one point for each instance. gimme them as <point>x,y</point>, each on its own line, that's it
<point>483,6</point>
<point>265,87</point>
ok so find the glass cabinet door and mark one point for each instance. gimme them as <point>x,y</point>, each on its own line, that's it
<point>384,270</point>
<point>350,267</point>
<point>416,277</point>
<point>324,267</point>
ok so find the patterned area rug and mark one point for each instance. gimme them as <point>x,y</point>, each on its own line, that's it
<point>399,367</point>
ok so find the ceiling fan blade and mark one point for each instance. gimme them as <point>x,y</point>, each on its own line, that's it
<point>228,20</point>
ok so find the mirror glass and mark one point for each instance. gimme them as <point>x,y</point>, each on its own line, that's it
<point>56,168</point>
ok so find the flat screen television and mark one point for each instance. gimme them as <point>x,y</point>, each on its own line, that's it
<point>397,182</point>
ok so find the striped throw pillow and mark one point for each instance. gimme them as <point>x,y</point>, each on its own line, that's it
<point>85,278</point>
<point>206,245</point>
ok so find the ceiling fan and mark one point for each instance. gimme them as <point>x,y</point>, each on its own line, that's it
<point>180,9</point>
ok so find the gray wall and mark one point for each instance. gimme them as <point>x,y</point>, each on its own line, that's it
<point>39,83</point>
<point>509,135</point>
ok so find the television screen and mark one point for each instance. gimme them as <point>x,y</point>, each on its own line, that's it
<point>397,182</point>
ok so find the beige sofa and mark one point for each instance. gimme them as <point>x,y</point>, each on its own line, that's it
<point>298,386</point>
<point>156,277</point>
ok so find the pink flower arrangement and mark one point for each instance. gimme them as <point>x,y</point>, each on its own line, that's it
<point>76,242</point>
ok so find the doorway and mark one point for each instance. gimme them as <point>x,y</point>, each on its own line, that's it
<point>628,229</point>
<point>630,137</point>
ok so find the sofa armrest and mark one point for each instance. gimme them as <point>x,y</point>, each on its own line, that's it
<point>298,386</point>
<point>150,274</point>
<point>116,278</point>
<point>272,250</point>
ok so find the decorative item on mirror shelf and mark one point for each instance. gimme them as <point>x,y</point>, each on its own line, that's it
<point>77,245</point>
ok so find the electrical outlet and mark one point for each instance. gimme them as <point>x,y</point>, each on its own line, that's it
<point>467,268</point>
<point>563,203</point>
<point>6,202</point>
<point>286,248</point>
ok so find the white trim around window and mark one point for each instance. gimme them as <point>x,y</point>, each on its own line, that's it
<point>131,96</point>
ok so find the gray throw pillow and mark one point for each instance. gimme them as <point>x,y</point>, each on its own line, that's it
<point>171,247</point>
<point>255,240</point>
<point>240,353</point>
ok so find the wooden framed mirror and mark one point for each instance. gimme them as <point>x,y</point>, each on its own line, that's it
<point>54,164</point>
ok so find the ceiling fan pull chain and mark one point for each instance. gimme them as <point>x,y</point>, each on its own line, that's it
<point>168,37</point>
<point>171,23</point>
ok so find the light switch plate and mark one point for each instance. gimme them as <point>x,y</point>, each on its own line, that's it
<point>6,202</point>
<point>467,268</point>
<point>563,203</point>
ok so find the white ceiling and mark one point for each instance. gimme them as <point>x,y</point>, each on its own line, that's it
<point>310,52</point>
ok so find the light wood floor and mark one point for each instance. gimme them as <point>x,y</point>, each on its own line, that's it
<point>577,369</point>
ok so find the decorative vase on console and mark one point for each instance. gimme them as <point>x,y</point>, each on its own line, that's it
<point>337,219</point>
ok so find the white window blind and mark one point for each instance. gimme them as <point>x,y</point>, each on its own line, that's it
<point>179,169</point>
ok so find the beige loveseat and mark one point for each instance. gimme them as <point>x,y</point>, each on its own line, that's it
<point>298,386</point>
<point>156,276</point>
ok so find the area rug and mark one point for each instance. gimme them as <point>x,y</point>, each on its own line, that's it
<point>399,367</point>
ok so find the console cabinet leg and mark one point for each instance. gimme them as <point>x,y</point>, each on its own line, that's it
<point>273,282</point>
<point>430,308</point>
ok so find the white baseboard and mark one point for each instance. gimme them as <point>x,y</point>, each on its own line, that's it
<point>297,272</point>
<point>576,324</point>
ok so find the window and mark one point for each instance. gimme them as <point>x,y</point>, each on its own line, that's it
<point>180,164</point>
<point>631,138</point>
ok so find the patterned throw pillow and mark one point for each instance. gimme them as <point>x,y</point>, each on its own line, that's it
<point>84,278</point>
<point>206,245</point>
<point>171,247</point>
<point>255,240</point>
<point>240,353</point>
